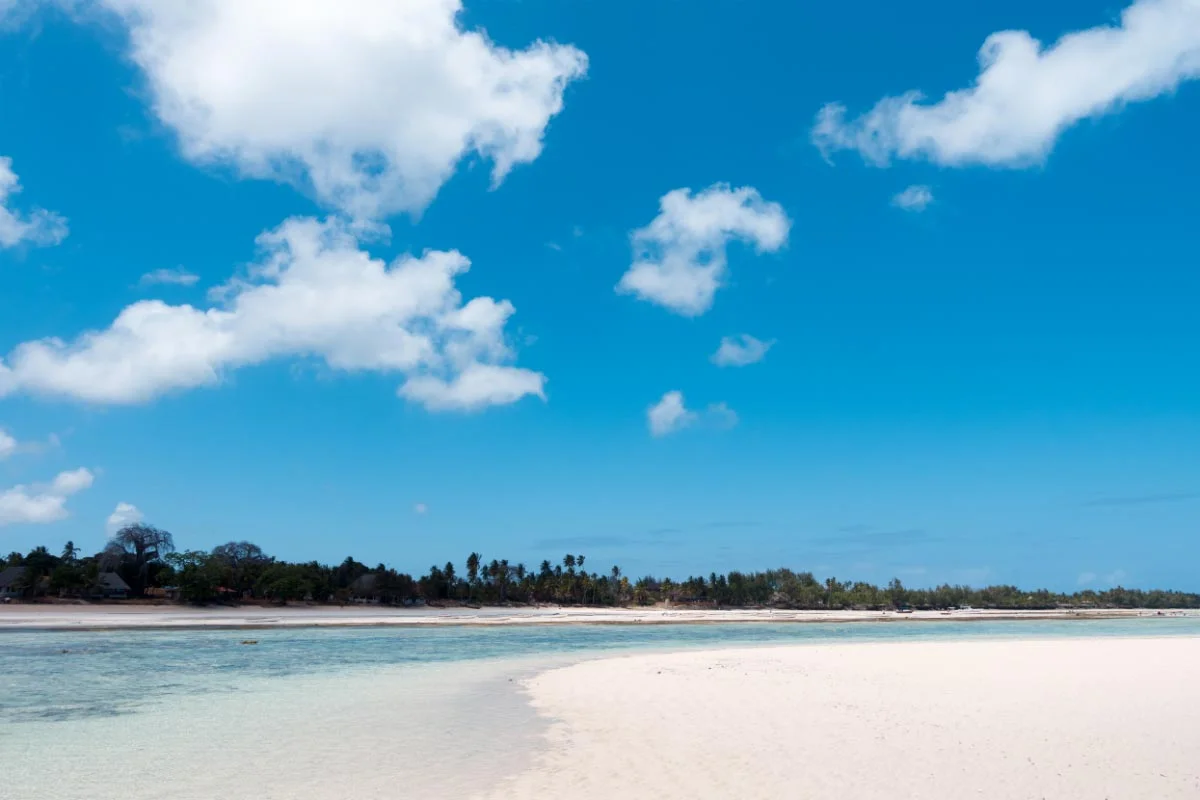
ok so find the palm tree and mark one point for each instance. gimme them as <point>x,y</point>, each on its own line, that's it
<point>521,573</point>
<point>616,579</point>
<point>503,572</point>
<point>493,572</point>
<point>473,571</point>
<point>70,552</point>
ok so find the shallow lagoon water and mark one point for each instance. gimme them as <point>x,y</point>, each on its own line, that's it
<point>323,713</point>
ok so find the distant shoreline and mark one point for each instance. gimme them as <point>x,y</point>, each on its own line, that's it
<point>56,617</point>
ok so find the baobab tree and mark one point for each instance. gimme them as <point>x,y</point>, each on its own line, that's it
<point>133,549</point>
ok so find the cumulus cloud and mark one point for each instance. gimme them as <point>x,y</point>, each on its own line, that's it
<point>680,259</point>
<point>313,293</point>
<point>1026,94</point>
<point>124,514</point>
<point>368,104</point>
<point>38,227</point>
<point>741,351</point>
<point>914,198</point>
<point>476,386</point>
<point>42,503</point>
<point>671,414</point>
<point>170,277</point>
<point>8,445</point>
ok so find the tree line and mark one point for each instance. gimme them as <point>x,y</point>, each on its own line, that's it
<point>145,557</point>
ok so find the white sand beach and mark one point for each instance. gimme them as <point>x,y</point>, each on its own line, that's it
<point>1069,719</point>
<point>116,617</point>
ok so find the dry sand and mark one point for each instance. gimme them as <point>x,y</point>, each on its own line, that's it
<point>1078,718</point>
<point>113,617</point>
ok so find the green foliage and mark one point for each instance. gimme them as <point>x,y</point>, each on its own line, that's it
<point>199,575</point>
<point>239,570</point>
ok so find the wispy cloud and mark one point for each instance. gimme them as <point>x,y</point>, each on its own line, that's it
<point>1143,499</point>
<point>169,277</point>
<point>741,351</point>
<point>914,198</point>
<point>37,227</point>
<point>10,446</point>
<point>575,542</point>
<point>720,524</point>
<point>857,538</point>
<point>1093,580</point>
<point>660,537</point>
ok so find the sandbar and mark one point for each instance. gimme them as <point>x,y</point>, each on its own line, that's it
<point>59,616</point>
<point>1073,718</point>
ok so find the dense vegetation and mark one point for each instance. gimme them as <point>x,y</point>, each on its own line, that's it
<point>146,559</point>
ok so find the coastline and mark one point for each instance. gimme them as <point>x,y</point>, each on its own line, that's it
<point>916,711</point>
<point>986,719</point>
<point>61,617</point>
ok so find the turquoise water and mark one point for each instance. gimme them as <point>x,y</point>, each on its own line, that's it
<point>58,677</point>
<point>323,713</point>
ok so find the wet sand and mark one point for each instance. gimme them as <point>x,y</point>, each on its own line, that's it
<point>115,617</point>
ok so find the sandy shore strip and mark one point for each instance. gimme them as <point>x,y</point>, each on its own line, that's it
<point>116,617</point>
<point>1064,719</point>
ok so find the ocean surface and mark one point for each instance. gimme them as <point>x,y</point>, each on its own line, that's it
<point>340,712</point>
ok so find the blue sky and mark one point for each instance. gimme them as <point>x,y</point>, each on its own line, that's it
<point>974,315</point>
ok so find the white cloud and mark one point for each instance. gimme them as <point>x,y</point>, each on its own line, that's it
<point>313,293</point>
<point>671,414</point>
<point>740,351</point>
<point>679,258</point>
<point>1091,579</point>
<point>720,415</point>
<point>369,104</point>
<point>1026,95</point>
<point>73,482</point>
<point>914,198</point>
<point>42,503</point>
<point>124,514</point>
<point>171,277</point>
<point>38,227</point>
<point>10,446</point>
<point>476,387</point>
<point>420,508</point>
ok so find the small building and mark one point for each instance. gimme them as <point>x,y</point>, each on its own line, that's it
<point>13,583</point>
<point>110,586</point>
